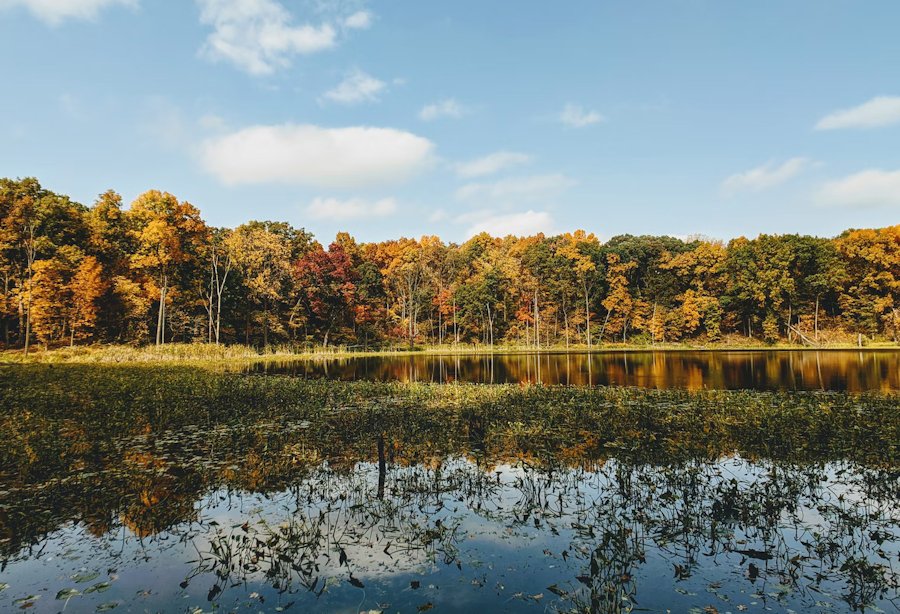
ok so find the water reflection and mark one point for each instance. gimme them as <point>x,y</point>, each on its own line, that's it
<point>489,507</point>
<point>853,371</point>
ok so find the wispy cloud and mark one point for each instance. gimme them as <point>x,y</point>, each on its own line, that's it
<point>869,188</point>
<point>576,116</point>
<point>350,209</point>
<point>356,87</point>
<point>260,36</point>
<point>360,20</point>
<point>491,163</point>
<point>525,223</point>
<point>769,175</point>
<point>55,12</point>
<point>316,156</point>
<point>518,188</point>
<point>875,113</point>
<point>445,108</point>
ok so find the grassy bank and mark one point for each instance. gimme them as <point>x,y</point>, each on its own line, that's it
<point>199,352</point>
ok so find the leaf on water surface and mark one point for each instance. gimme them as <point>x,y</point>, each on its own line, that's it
<point>425,607</point>
<point>414,584</point>
<point>3,586</point>
<point>67,593</point>
<point>84,576</point>
<point>30,599</point>
<point>105,607</point>
<point>100,587</point>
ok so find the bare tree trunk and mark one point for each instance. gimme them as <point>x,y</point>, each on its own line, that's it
<point>603,328</point>
<point>412,325</point>
<point>165,296</point>
<point>816,325</point>
<point>30,253</point>
<point>587,311</point>
<point>537,322</point>
<point>159,313</point>
<point>455,327</point>
<point>266,324</point>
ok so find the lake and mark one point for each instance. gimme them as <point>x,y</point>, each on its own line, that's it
<point>148,488</point>
<point>729,370</point>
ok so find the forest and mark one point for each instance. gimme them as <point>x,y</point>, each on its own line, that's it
<point>156,273</point>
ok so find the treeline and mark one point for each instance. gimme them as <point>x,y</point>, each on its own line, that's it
<point>156,273</point>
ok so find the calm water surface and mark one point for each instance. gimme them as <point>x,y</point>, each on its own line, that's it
<point>358,510</point>
<point>757,370</point>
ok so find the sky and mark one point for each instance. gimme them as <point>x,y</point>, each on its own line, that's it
<point>406,118</point>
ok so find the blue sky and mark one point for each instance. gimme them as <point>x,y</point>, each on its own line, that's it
<point>410,117</point>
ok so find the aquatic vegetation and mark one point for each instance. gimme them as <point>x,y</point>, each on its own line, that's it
<point>275,491</point>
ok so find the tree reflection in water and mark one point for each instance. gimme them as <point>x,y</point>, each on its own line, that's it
<point>544,502</point>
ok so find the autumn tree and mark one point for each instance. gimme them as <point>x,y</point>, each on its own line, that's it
<point>327,281</point>
<point>264,253</point>
<point>621,307</point>
<point>582,250</point>
<point>167,235</point>
<point>86,288</point>
<point>699,272</point>
<point>870,298</point>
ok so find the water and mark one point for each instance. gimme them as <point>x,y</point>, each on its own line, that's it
<point>138,489</point>
<point>848,370</point>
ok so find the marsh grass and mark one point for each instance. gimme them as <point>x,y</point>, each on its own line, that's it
<point>207,352</point>
<point>43,403</point>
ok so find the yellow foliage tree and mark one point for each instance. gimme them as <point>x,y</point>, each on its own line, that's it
<point>85,290</point>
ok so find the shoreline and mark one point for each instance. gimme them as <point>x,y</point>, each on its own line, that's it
<point>196,352</point>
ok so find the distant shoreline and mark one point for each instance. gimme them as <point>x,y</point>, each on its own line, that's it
<point>198,352</point>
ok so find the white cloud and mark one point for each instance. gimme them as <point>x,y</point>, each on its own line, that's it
<point>359,20</point>
<point>355,88</point>
<point>877,112</point>
<point>575,116</point>
<point>350,209</point>
<point>519,224</point>
<point>438,215</point>
<point>518,188</point>
<point>316,156</point>
<point>54,12</point>
<point>492,163</point>
<point>444,108</point>
<point>869,188</point>
<point>766,176</point>
<point>258,36</point>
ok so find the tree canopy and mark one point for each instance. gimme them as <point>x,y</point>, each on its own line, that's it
<point>156,272</point>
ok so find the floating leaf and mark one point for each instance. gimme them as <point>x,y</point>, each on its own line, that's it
<point>100,587</point>
<point>85,576</point>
